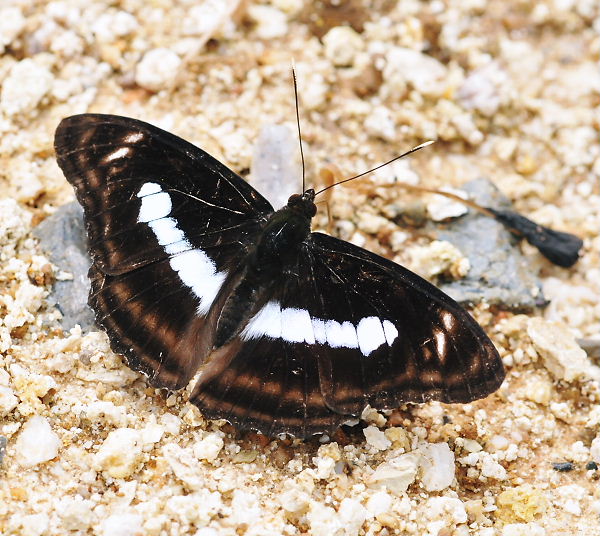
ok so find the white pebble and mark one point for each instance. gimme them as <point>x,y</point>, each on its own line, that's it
<point>437,466</point>
<point>490,468</point>
<point>323,520</point>
<point>352,515</point>
<point>426,74</point>
<point>480,91</point>
<point>379,503</point>
<point>37,443</point>
<point>441,208</point>
<point>123,525</point>
<point>396,474</point>
<point>8,400</point>
<point>270,22</point>
<point>245,508</point>
<point>523,529</point>
<point>442,507</point>
<point>209,447</point>
<point>25,86</point>
<point>562,355</point>
<point>207,18</point>
<point>381,124</point>
<point>376,438</point>
<point>595,449</point>
<point>120,453</point>
<point>342,44</point>
<point>12,23</point>
<point>158,69</point>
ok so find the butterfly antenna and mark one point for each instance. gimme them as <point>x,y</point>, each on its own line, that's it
<point>413,150</point>
<point>298,123</point>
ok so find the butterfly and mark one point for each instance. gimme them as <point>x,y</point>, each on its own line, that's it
<point>294,331</point>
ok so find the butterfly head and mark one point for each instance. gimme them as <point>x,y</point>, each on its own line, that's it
<point>304,202</point>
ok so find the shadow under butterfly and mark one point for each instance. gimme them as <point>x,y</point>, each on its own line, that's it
<point>294,331</point>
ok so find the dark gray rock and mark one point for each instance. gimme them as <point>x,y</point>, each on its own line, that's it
<point>62,236</point>
<point>499,275</point>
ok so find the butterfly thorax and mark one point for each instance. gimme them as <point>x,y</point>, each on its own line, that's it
<point>274,257</point>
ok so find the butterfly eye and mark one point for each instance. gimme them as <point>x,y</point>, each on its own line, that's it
<point>294,199</point>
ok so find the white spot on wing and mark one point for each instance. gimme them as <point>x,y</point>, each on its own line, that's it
<point>149,188</point>
<point>370,334</point>
<point>134,137</point>
<point>265,323</point>
<point>296,326</point>
<point>389,331</point>
<point>319,330</point>
<point>341,335</point>
<point>155,206</point>
<point>440,343</point>
<point>448,320</point>
<point>121,152</point>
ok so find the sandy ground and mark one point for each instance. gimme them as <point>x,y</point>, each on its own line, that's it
<point>509,89</point>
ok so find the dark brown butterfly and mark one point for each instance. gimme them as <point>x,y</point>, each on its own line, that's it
<point>294,331</point>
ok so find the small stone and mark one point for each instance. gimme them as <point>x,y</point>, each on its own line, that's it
<point>539,391</point>
<point>521,503</point>
<point>446,507</point>
<point>523,529</point>
<point>119,454</point>
<point>563,467</point>
<point>245,509</point>
<point>376,438</point>
<point>595,449</point>
<point>25,86</point>
<point>8,400</point>
<point>12,23</point>
<point>396,474</point>
<point>276,171</point>
<point>381,124</point>
<point>378,503</point>
<point>197,508</point>
<point>441,208</point>
<point>437,466</point>
<point>122,525</point>
<point>76,513</point>
<point>209,447</point>
<point>480,92</point>
<point>342,44</point>
<point>557,346</point>
<point>490,468</point>
<point>352,515</point>
<point>270,21</point>
<point>439,258</point>
<point>207,19</point>
<point>37,443</point>
<point>426,74</point>
<point>157,69</point>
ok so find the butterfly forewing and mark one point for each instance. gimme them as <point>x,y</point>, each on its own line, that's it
<point>166,224</point>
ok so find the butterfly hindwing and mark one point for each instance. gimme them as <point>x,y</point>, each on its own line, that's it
<point>343,329</point>
<point>413,343</point>
<point>161,245</point>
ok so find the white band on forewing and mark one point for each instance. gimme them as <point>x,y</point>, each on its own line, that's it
<point>195,269</point>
